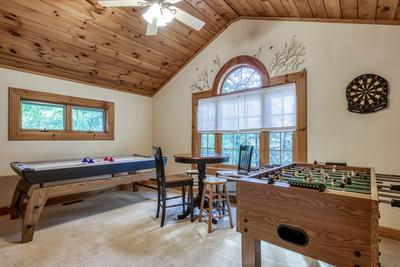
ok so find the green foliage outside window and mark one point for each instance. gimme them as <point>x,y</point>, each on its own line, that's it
<point>88,119</point>
<point>42,116</point>
<point>207,144</point>
<point>231,146</point>
<point>280,148</point>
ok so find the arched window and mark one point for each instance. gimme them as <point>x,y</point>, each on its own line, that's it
<point>241,78</point>
<point>240,73</point>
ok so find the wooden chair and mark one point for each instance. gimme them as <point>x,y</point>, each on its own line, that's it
<point>221,197</point>
<point>244,164</point>
<point>163,183</point>
<point>243,169</point>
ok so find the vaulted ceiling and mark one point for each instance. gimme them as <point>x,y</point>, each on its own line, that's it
<point>80,40</point>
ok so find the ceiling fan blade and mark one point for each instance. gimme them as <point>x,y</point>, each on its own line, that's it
<point>115,3</point>
<point>172,2</point>
<point>152,28</point>
<point>188,19</point>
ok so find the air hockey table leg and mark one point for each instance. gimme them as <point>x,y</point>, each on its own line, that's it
<point>21,192</point>
<point>32,213</point>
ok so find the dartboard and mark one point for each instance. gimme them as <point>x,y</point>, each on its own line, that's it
<point>367,93</point>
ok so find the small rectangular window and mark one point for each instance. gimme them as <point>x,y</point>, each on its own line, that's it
<point>42,116</point>
<point>88,119</point>
<point>280,148</point>
<point>37,115</point>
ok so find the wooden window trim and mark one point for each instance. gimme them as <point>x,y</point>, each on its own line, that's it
<point>15,132</point>
<point>299,135</point>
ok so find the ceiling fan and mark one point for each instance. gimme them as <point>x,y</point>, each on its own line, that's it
<point>160,13</point>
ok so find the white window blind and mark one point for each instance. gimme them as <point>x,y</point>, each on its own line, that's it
<point>272,108</point>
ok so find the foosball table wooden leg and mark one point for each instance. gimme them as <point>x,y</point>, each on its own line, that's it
<point>32,213</point>
<point>251,251</point>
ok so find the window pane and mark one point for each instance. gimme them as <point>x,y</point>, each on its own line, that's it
<point>42,116</point>
<point>287,141</point>
<point>287,157</point>
<point>227,141</point>
<point>281,148</point>
<point>231,146</point>
<point>241,78</point>
<point>204,141</point>
<point>274,141</point>
<point>274,157</point>
<point>207,143</point>
<point>211,140</point>
<point>88,119</point>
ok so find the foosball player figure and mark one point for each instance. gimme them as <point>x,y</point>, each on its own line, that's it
<point>334,168</point>
<point>333,181</point>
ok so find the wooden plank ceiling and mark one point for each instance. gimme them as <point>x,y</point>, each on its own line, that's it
<point>80,40</point>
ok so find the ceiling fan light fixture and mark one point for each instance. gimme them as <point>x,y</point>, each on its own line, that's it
<point>162,15</point>
<point>153,12</point>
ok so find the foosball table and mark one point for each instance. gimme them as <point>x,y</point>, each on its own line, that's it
<point>329,213</point>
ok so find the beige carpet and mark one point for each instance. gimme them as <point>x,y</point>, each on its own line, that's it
<point>120,229</point>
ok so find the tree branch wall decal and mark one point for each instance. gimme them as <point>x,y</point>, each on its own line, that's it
<point>289,59</point>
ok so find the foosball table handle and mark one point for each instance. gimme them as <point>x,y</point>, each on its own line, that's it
<point>395,203</point>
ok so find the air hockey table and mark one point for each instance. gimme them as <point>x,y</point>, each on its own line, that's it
<point>44,179</point>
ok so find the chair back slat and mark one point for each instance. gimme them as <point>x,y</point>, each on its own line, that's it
<point>159,161</point>
<point>245,155</point>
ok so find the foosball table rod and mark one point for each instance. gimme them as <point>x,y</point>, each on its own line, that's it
<point>393,187</point>
<point>392,202</point>
<point>387,179</point>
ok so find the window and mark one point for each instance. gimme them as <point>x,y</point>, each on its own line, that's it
<point>88,119</point>
<point>280,148</point>
<point>43,116</point>
<point>241,78</point>
<point>271,116</point>
<point>231,146</point>
<point>207,144</point>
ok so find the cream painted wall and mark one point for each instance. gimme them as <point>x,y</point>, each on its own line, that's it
<point>133,126</point>
<point>336,53</point>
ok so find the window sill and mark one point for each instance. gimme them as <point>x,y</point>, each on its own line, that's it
<point>43,136</point>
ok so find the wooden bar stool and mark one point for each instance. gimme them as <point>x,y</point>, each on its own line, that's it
<point>221,197</point>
